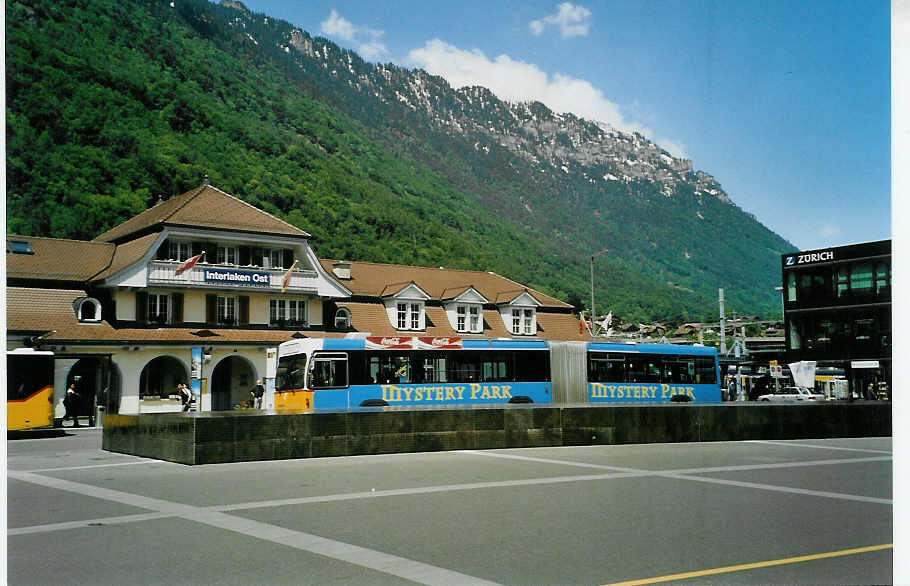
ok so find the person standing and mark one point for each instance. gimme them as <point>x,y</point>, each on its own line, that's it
<point>257,393</point>
<point>71,404</point>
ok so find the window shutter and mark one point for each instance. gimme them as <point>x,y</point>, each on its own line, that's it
<point>244,310</point>
<point>142,306</point>
<point>211,308</point>
<point>243,257</point>
<point>177,300</point>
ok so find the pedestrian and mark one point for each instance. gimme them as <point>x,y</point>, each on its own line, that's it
<point>186,396</point>
<point>256,394</point>
<point>71,403</point>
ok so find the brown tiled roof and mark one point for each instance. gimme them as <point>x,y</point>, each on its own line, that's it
<point>127,254</point>
<point>371,279</point>
<point>204,207</point>
<point>372,318</point>
<point>56,259</point>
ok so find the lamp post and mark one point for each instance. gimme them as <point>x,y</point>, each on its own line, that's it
<point>593,256</point>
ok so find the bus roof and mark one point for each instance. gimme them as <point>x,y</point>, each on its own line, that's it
<point>653,348</point>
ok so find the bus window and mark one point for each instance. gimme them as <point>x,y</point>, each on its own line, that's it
<point>434,370</point>
<point>705,373</point>
<point>643,368</point>
<point>679,369</point>
<point>496,366</point>
<point>604,368</point>
<point>532,365</point>
<point>464,367</point>
<point>387,368</point>
<point>329,371</point>
<point>290,372</point>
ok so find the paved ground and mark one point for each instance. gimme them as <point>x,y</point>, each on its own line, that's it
<point>712,513</point>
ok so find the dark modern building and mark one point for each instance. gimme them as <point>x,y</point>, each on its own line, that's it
<point>837,312</point>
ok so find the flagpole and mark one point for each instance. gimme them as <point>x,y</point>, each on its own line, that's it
<point>593,256</point>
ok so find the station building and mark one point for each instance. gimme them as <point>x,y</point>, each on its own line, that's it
<point>837,312</point>
<point>125,316</point>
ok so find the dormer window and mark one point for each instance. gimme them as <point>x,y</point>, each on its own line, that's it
<point>405,306</point>
<point>342,318</point>
<point>467,318</point>
<point>523,322</point>
<point>519,313</point>
<point>409,316</point>
<point>88,309</point>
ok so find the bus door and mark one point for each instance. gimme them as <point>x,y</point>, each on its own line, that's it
<point>328,379</point>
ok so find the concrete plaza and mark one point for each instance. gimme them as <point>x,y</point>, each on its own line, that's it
<point>752,512</point>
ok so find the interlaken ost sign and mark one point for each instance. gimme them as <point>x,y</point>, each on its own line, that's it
<point>238,278</point>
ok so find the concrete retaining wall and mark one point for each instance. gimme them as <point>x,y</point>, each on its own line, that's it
<point>208,438</point>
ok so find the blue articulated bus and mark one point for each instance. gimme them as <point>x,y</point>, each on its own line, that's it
<point>339,373</point>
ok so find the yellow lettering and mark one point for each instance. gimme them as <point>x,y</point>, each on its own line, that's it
<point>418,394</point>
<point>495,393</point>
<point>460,391</point>
<point>450,394</point>
<point>690,391</point>
<point>475,388</point>
<point>664,391</point>
<point>505,392</point>
<point>637,392</point>
<point>485,394</point>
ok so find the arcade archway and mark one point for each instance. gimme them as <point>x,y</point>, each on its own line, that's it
<point>232,380</point>
<point>159,378</point>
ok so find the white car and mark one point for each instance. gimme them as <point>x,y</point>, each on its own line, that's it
<point>792,394</point>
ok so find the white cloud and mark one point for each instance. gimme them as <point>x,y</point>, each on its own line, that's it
<point>517,81</point>
<point>367,41</point>
<point>828,231</point>
<point>337,26</point>
<point>674,147</point>
<point>572,21</point>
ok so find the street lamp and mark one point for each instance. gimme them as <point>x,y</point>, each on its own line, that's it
<point>593,256</point>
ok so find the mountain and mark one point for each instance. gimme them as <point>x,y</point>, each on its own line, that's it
<point>112,104</point>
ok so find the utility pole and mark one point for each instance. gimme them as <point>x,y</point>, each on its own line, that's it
<point>723,336</point>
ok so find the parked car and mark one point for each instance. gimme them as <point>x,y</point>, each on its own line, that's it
<point>792,394</point>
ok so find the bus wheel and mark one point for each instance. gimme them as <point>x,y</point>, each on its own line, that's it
<point>521,399</point>
<point>373,403</point>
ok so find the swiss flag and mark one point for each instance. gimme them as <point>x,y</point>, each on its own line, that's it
<point>188,264</point>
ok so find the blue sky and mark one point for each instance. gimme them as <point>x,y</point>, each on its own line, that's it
<point>785,103</point>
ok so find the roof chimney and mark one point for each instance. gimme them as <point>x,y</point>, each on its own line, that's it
<point>342,269</point>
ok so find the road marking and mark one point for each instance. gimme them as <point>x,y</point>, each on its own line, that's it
<point>62,468</point>
<point>818,447</point>
<point>375,560</point>
<point>688,473</point>
<point>32,529</point>
<point>754,565</point>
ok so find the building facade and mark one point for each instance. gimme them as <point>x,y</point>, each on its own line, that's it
<point>837,312</point>
<point>200,287</point>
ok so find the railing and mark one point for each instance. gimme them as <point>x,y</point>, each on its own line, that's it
<point>163,273</point>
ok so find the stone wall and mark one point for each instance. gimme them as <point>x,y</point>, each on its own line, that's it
<point>208,438</point>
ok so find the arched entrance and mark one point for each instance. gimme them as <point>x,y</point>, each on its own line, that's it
<point>159,378</point>
<point>90,375</point>
<point>232,380</point>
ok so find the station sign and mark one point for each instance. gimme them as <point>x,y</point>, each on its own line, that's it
<point>238,278</point>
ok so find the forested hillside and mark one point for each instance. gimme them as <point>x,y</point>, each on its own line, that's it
<point>112,104</point>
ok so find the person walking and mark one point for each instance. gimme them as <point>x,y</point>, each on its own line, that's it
<point>71,404</point>
<point>186,396</point>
